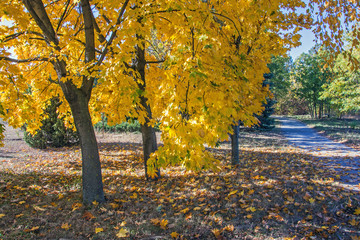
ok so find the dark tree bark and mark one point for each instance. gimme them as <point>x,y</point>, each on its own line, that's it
<point>92,185</point>
<point>147,131</point>
<point>149,139</point>
<point>235,145</point>
<point>78,98</point>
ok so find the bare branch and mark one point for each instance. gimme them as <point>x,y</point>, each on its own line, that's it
<point>102,38</point>
<point>37,59</point>
<point>16,35</point>
<point>113,34</point>
<point>159,61</point>
<point>219,14</point>
<point>63,15</point>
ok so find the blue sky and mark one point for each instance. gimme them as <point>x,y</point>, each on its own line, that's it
<point>307,42</point>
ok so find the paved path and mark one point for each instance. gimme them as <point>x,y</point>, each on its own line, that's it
<point>340,157</point>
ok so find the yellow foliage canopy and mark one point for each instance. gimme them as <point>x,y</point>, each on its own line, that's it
<point>205,62</point>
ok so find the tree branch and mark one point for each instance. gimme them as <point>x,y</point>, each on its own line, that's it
<point>63,15</point>
<point>159,61</point>
<point>113,34</point>
<point>37,11</point>
<point>16,35</point>
<point>219,14</point>
<point>37,59</point>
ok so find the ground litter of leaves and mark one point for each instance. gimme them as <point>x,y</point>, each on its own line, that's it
<point>276,193</point>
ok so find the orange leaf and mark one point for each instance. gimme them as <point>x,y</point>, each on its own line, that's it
<point>216,232</point>
<point>88,215</point>
<point>163,224</point>
<point>174,234</point>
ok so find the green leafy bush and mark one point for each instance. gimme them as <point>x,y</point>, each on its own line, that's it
<point>53,132</point>
<point>130,125</point>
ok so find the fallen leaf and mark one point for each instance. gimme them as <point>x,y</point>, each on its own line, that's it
<point>66,226</point>
<point>353,222</point>
<point>122,233</point>
<point>232,193</point>
<point>357,211</point>
<point>88,215</point>
<point>229,228</point>
<point>216,232</point>
<point>37,208</point>
<point>174,234</point>
<point>31,229</point>
<point>76,206</point>
<point>163,224</point>
<point>97,230</point>
<point>2,215</point>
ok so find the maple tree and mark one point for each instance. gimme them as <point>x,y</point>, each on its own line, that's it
<point>196,68</point>
<point>333,20</point>
<point>52,49</point>
<point>204,73</point>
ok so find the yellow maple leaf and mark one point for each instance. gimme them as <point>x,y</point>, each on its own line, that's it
<point>2,215</point>
<point>216,232</point>
<point>163,224</point>
<point>155,221</point>
<point>174,234</point>
<point>232,193</point>
<point>114,205</point>
<point>353,222</point>
<point>97,230</point>
<point>357,211</point>
<point>122,233</point>
<point>76,206</point>
<point>229,228</point>
<point>185,210</point>
<point>66,226</point>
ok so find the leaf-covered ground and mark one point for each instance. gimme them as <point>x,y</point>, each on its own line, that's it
<point>276,193</point>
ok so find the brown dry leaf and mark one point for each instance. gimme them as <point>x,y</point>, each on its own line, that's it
<point>88,215</point>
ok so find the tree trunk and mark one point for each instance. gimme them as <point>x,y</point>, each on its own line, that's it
<point>235,145</point>
<point>147,131</point>
<point>92,185</point>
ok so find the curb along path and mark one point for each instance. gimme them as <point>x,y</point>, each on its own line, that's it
<point>341,158</point>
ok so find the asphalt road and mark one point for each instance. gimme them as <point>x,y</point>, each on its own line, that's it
<point>339,157</point>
